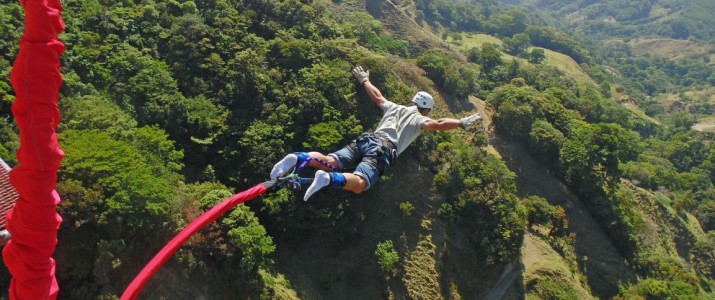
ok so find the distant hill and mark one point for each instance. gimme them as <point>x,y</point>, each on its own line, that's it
<point>661,47</point>
<point>668,48</point>
<point>662,18</point>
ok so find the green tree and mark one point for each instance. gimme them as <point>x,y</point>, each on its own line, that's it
<point>118,200</point>
<point>131,183</point>
<point>510,22</point>
<point>473,55</point>
<point>189,43</point>
<point>545,141</point>
<point>436,63</point>
<point>489,57</point>
<point>258,144</point>
<point>517,44</point>
<point>323,136</point>
<point>514,119</point>
<point>387,256</point>
<point>96,112</point>
<point>480,192</point>
<point>462,81</point>
<point>536,56</point>
<point>295,54</point>
<point>406,208</point>
<point>595,151</point>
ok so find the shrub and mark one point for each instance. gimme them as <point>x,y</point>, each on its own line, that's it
<point>386,256</point>
<point>407,209</point>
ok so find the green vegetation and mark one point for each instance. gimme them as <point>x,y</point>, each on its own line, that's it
<point>667,279</point>
<point>679,20</point>
<point>407,209</point>
<point>386,256</point>
<point>552,288</point>
<point>169,106</point>
<point>480,192</point>
<point>615,142</point>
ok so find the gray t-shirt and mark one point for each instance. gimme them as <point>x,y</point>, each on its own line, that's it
<point>401,124</point>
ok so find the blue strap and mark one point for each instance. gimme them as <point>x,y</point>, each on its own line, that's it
<point>337,180</point>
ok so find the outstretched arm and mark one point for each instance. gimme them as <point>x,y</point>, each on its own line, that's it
<point>363,78</point>
<point>374,94</point>
<point>441,124</point>
<point>449,123</point>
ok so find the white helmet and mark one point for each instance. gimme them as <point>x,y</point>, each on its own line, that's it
<point>423,100</point>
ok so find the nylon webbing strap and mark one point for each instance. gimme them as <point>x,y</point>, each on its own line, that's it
<point>325,163</point>
<point>8,195</point>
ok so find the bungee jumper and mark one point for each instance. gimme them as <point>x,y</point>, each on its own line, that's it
<point>359,165</point>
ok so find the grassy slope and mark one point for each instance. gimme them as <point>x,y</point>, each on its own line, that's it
<point>668,48</point>
<point>667,233</point>
<point>706,95</point>
<point>563,62</point>
<point>539,259</point>
<point>569,66</point>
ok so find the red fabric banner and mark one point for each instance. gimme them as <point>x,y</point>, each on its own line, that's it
<point>33,222</point>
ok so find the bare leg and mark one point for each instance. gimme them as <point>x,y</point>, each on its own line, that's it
<point>323,157</point>
<point>354,183</point>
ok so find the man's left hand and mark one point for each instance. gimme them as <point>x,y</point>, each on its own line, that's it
<point>361,75</point>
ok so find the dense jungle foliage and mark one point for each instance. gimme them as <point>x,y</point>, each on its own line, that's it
<point>171,106</point>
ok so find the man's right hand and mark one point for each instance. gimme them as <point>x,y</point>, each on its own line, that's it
<point>360,74</point>
<point>467,121</point>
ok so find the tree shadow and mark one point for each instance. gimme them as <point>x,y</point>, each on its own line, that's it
<point>465,275</point>
<point>597,258</point>
<point>332,255</point>
<point>456,104</point>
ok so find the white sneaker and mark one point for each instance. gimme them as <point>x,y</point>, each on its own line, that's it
<point>322,179</point>
<point>283,166</point>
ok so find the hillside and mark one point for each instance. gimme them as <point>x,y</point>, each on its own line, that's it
<point>633,35</point>
<point>563,62</point>
<point>598,262</point>
<point>669,48</point>
<point>584,180</point>
<point>671,19</point>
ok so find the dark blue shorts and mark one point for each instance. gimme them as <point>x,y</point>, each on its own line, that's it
<point>363,159</point>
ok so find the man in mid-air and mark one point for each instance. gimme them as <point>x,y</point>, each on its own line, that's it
<point>372,153</point>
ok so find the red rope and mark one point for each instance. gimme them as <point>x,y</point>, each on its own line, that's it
<point>132,292</point>
<point>33,222</point>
